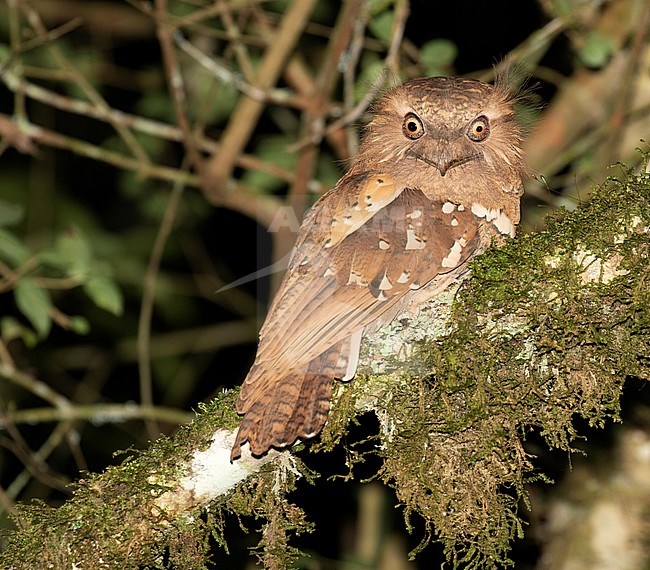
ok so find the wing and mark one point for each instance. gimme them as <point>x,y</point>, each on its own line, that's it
<point>362,248</point>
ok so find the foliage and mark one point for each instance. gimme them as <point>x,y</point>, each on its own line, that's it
<point>148,147</point>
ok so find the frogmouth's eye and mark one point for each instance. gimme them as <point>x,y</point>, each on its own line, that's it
<point>412,126</point>
<point>479,129</point>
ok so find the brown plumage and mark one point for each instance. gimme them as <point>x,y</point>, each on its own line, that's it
<point>438,174</point>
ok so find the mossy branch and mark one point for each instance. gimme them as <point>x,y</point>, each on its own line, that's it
<point>546,329</point>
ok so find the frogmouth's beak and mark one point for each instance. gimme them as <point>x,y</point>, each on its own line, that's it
<point>443,165</point>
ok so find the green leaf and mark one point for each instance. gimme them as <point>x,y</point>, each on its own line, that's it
<point>274,151</point>
<point>436,55</point>
<point>105,294</point>
<point>79,324</point>
<point>381,26</point>
<point>597,50</point>
<point>378,6</point>
<point>12,249</point>
<point>10,213</point>
<point>33,302</point>
<point>71,253</point>
<point>156,105</point>
<point>11,329</point>
<point>212,101</point>
<point>5,52</point>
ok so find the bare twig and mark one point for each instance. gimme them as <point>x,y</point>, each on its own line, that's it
<point>175,83</point>
<point>244,119</point>
<point>222,73</point>
<point>239,47</point>
<point>623,102</point>
<point>35,386</point>
<point>401,14</point>
<point>257,206</point>
<point>38,458</point>
<point>167,222</point>
<point>147,303</point>
<point>323,87</point>
<point>35,21</point>
<point>141,124</point>
<point>97,414</point>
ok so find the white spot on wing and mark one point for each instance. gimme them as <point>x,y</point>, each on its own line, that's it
<point>412,240</point>
<point>454,222</point>
<point>385,284</point>
<point>479,210</point>
<point>496,216</point>
<point>353,359</point>
<point>453,259</point>
<point>504,225</point>
<point>383,244</point>
<point>414,214</point>
<point>355,279</point>
<point>448,208</point>
<point>404,277</point>
<point>328,272</point>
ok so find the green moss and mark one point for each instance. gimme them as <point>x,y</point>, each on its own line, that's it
<point>107,523</point>
<point>113,520</point>
<point>546,330</point>
<point>265,498</point>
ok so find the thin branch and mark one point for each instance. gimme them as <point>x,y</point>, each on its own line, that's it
<point>195,340</point>
<point>323,87</point>
<point>350,70</point>
<point>235,36</point>
<point>141,124</point>
<point>47,38</point>
<point>623,102</point>
<point>38,457</point>
<point>225,75</point>
<point>401,15</point>
<point>35,386</point>
<point>245,117</point>
<point>147,303</point>
<point>96,414</point>
<point>35,20</point>
<point>259,207</point>
<point>176,84</point>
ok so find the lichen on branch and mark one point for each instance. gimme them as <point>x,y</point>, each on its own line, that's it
<point>546,330</point>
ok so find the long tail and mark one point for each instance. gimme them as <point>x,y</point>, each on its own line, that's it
<point>278,410</point>
<point>297,408</point>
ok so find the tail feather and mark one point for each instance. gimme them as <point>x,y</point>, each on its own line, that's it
<point>292,407</point>
<point>296,408</point>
